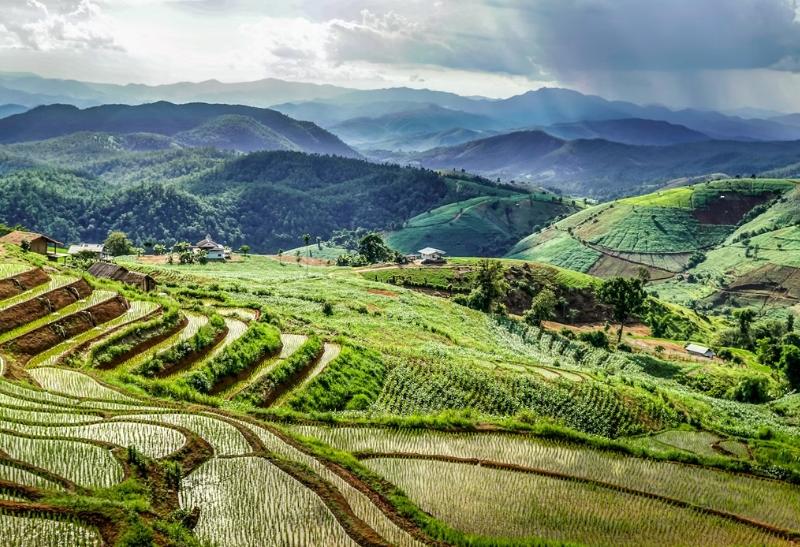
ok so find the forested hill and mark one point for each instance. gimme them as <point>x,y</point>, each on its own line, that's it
<point>267,199</point>
<point>195,124</point>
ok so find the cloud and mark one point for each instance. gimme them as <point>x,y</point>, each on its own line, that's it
<point>46,25</point>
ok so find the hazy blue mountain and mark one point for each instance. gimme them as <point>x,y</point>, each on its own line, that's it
<point>605,169</point>
<point>169,119</point>
<point>429,119</point>
<point>627,131</point>
<point>7,110</point>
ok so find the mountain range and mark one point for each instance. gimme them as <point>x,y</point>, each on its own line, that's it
<point>230,127</point>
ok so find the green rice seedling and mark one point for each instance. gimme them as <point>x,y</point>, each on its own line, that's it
<point>85,464</point>
<point>137,310</point>
<point>37,395</point>
<point>56,281</point>
<point>42,530</point>
<point>773,502</point>
<point>76,384</point>
<point>151,440</point>
<point>362,506</point>
<point>17,475</point>
<point>738,448</point>
<point>248,501</point>
<point>43,416</point>
<point>696,442</point>
<point>478,500</point>
<point>10,269</point>
<point>93,299</point>
<point>223,437</point>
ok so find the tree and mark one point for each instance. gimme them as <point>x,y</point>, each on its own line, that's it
<point>626,298</point>
<point>490,286</point>
<point>159,249</point>
<point>374,250</point>
<point>25,245</point>
<point>790,365</point>
<point>745,318</point>
<point>244,249</point>
<point>307,243</point>
<point>117,244</point>
<point>542,307</point>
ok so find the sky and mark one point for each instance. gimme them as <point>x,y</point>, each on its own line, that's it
<point>723,54</point>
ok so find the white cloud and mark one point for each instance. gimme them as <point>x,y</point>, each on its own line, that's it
<point>59,24</point>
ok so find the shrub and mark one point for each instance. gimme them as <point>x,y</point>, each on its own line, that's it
<point>260,341</point>
<point>598,339</point>
<point>269,387</point>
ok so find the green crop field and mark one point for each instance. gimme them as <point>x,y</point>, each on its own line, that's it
<point>433,413</point>
<point>482,226</point>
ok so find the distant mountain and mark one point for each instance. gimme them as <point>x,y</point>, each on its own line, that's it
<point>34,90</point>
<point>7,110</point>
<point>198,123</point>
<point>606,169</point>
<point>627,131</point>
<point>427,120</point>
<point>418,142</point>
<point>235,132</point>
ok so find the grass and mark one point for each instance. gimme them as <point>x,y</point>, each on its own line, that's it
<point>481,226</point>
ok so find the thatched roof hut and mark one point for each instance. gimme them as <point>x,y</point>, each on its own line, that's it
<point>108,270</point>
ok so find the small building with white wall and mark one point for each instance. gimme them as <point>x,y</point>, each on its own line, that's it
<point>702,351</point>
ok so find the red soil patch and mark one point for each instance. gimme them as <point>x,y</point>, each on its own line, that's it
<point>54,333</point>
<point>729,209</point>
<point>17,284</point>
<point>304,260</point>
<point>383,292</point>
<point>635,329</point>
<point>45,304</point>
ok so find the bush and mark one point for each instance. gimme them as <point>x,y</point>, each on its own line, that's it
<point>267,389</point>
<point>260,341</point>
<point>327,308</point>
<point>751,389</point>
<point>598,339</point>
<point>352,381</point>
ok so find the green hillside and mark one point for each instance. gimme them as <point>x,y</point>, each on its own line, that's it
<point>665,232</point>
<point>202,413</point>
<point>82,186</point>
<point>482,226</point>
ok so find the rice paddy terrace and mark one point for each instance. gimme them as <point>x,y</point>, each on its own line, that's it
<point>236,409</point>
<point>667,232</point>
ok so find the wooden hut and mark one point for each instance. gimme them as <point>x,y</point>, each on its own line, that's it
<point>108,270</point>
<point>38,243</point>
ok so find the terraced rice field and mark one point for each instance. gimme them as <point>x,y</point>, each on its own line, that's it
<point>137,310</point>
<point>195,321</point>
<point>236,330</point>
<point>56,281</point>
<point>40,531</point>
<point>83,463</point>
<point>477,500</point>
<point>250,502</point>
<point>95,298</point>
<point>291,342</point>
<point>76,384</point>
<point>10,269</point>
<point>772,502</point>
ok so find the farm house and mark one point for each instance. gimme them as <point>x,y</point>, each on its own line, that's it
<point>214,251</point>
<point>39,243</point>
<point>702,351</point>
<point>96,250</point>
<point>431,255</point>
<point>108,270</point>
